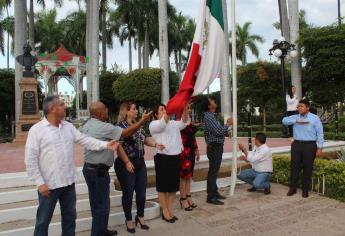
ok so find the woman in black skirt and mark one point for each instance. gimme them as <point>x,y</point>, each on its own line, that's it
<point>167,161</point>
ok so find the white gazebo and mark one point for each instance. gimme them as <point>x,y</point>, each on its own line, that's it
<point>63,64</point>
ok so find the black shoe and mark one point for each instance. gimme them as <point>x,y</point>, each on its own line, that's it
<point>175,218</point>
<point>305,193</point>
<point>267,190</point>
<point>291,192</point>
<point>188,208</point>
<point>111,233</point>
<point>145,227</point>
<point>132,231</point>
<point>192,205</point>
<point>252,189</point>
<point>215,201</point>
<point>168,220</point>
<point>220,197</point>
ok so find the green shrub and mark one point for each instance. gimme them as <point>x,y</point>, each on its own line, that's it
<point>334,173</point>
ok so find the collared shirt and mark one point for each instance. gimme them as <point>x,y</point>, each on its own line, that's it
<point>261,158</point>
<point>134,144</point>
<point>102,131</point>
<point>313,131</point>
<point>49,154</point>
<point>168,134</point>
<point>214,131</point>
<point>291,103</point>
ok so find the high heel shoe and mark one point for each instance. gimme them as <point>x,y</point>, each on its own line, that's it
<point>191,205</point>
<point>189,208</point>
<point>145,227</point>
<point>167,220</point>
<point>132,231</point>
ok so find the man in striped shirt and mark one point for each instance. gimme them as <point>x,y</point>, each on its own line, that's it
<point>215,134</point>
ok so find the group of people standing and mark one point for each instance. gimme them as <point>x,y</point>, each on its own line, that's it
<point>50,164</point>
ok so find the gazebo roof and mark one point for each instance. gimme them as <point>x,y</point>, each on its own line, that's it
<point>61,54</point>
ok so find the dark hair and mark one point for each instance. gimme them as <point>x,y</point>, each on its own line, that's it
<point>290,91</point>
<point>305,102</point>
<point>155,110</point>
<point>206,103</point>
<point>261,137</point>
<point>48,102</point>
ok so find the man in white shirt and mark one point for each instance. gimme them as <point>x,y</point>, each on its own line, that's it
<point>50,164</point>
<point>261,160</point>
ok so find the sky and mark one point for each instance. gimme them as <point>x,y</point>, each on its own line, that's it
<point>262,14</point>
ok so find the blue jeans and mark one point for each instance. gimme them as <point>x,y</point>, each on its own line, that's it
<point>259,180</point>
<point>67,199</point>
<point>99,191</point>
<point>129,182</point>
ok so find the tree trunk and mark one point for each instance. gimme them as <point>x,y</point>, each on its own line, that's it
<point>176,64</point>
<point>146,48</point>
<point>8,43</point>
<point>94,63</point>
<point>130,52</point>
<point>139,55</point>
<point>296,75</point>
<point>163,49</point>
<point>88,53</point>
<point>264,117</point>
<point>225,91</point>
<point>20,32</point>
<point>284,20</point>
<point>179,72</point>
<point>104,36</point>
<point>32,25</point>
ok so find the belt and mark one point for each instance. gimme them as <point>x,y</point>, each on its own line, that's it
<point>304,141</point>
<point>97,166</point>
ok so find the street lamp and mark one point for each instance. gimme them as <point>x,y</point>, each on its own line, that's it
<point>281,48</point>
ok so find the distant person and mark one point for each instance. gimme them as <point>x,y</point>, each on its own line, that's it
<point>167,161</point>
<point>307,144</point>
<point>49,159</point>
<point>261,160</point>
<point>189,155</point>
<point>97,164</point>
<point>291,105</point>
<point>215,134</point>
<point>135,180</point>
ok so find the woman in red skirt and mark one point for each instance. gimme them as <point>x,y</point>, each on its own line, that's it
<point>188,156</point>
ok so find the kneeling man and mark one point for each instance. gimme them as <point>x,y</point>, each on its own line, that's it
<point>261,160</point>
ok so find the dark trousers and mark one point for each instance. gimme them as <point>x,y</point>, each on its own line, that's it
<point>214,155</point>
<point>98,184</point>
<point>46,205</point>
<point>131,182</point>
<point>302,158</point>
<point>290,113</point>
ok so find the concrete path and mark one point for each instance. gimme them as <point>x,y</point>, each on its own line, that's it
<point>248,214</point>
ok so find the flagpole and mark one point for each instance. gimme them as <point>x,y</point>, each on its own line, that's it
<point>234,98</point>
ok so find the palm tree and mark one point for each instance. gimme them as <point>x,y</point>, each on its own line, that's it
<point>5,27</point>
<point>103,18</point>
<point>246,40</point>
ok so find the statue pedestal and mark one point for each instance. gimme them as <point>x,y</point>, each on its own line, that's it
<point>29,113</point>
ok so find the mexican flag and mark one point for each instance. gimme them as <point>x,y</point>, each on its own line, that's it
<point>206,57</point>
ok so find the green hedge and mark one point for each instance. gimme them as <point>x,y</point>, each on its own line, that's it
<point>334,173</point>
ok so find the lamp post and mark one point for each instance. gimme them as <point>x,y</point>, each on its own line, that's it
<point>249,126</point>
<point>281,48</point>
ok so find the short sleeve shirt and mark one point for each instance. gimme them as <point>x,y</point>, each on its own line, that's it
<point>102,131</point>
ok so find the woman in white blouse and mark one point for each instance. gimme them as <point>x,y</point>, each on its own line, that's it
<point>167,161</point>
<point>291,105</point>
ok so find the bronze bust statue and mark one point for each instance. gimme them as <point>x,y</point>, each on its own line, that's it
<point>27,60</point>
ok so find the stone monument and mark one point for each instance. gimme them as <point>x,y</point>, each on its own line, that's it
<point>29,113</point>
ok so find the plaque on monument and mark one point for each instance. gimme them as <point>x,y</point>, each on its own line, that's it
<point>29,103</point>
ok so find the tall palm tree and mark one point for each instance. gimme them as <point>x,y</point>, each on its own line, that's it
<point>5,4</point>
<point>246,40</point>
<point>163,48</point>
<point>103,19</point>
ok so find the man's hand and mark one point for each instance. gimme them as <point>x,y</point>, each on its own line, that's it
<point>197,154</point>
<point>319,152</point>
<point>145,116</point>
<point>130,167</point>
<point>113,145</point>
<point>160,146</point>
<point>243,158</point>
<point>229,122</point>
<point>302,122</point>
<point>44,190</point>
<point>241,147</point>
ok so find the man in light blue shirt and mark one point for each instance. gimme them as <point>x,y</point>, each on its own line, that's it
<point>307,144</point>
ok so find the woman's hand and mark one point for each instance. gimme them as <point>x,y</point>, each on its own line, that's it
<point>159,146</point>
<point>130,167</point>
